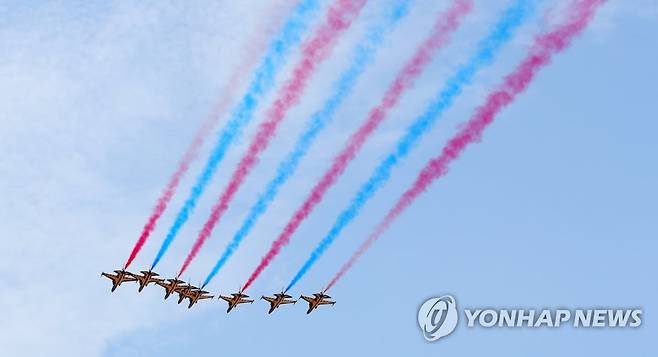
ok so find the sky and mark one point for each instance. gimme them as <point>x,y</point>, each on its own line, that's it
<point>555,207</point>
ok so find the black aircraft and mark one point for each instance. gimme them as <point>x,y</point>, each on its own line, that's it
<point>196,295</point>
<point>318,299</point>
<point>120,276</point>
<point>235,299</point>
<point>171,286</point>
<point>185,291</point>
<point>147,277</point>
<point>278,300</point>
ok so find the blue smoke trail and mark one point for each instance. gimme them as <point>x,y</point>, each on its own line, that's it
<point>363,55</point>
<point>263,81</point>
<point>512,18</point>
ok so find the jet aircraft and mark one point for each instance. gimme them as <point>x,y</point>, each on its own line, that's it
<point>147,277</point>
<point>196,295</point>
<point>235,299</point>
<point>185,291</point>
<point>318,299</point>
<point>278,300</point>
<point>120,277</point>
<point>171,286</point>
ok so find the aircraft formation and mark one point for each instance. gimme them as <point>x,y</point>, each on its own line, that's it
<point>545,45</point>
<point>195,294</point>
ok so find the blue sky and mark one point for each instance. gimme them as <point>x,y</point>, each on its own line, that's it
<point>555,207</point>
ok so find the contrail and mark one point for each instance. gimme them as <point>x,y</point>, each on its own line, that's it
<point>250,54</point>
<point>362,56</point>
<point>340,16</point>
<point>263,81</point>
<point>446,24</point>
<point>485,54</point>
<point>544,48</point>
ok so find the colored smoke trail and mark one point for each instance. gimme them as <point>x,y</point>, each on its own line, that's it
<point>262,83</point>
<point>485,54</point>
<point>446,24</point>
<point>250,54</point>
<point>362,57</point>
<point>545,46</point>
<point>339,18</point>
<point>169,191</point>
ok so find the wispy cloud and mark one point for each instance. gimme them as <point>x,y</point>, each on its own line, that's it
<point>83,90</point>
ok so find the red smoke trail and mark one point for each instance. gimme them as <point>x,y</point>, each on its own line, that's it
<point>445,25</point>
<point>251,53</point>
<point>339,17</point>
<point>540,55</point>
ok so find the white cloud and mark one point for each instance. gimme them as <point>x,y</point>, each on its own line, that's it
<point>88,94</point>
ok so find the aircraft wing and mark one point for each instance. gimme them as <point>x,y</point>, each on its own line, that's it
<point>226,298</point>
<point>163,284</point>
<point>268,299</point>
<point>288,302</point>
<point>129,278</point>
<point>180,288</point>
<point>307,298</point>
<point>326,302</point>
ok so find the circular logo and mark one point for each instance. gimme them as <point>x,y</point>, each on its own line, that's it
<point>437,317</point>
